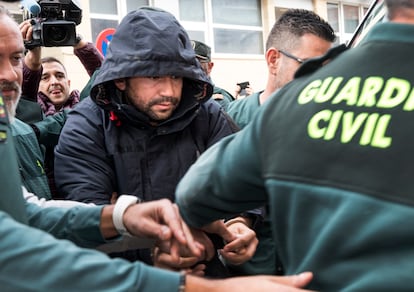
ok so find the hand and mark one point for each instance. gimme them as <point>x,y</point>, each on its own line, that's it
<point>251,283</point>
<point>188,260</point>
<point>80,42</point>
<point>237,91</point>
<point>249,90</point>
<point>218,227</point>
<point>34,55</point>
<point>244,246</point>
<point>161,220</point>
<point>26,29</point>
<point>188,264</point>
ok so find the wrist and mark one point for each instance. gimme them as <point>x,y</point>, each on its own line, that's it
<point>79,42</point>
<point>122,203</point>
<point>201,284</point>
<point>242,220</point>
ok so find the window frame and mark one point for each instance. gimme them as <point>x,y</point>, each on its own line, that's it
<point>342,36</point>
<point>207,27</point>
<point>120,13</point>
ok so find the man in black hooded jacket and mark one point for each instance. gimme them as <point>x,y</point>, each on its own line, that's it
<point>148,118</point>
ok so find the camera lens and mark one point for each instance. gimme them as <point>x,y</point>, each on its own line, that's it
<point>57,34</point>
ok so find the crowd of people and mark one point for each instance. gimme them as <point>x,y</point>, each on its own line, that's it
<point>162,181</point>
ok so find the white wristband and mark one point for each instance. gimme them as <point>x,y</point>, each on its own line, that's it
<point>122,203</point>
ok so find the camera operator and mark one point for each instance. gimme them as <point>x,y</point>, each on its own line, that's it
<point>45,79</point>
<point>46,84</point>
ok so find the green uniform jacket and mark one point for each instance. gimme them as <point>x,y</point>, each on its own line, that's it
<point>30,159</point>
<point>264,261</point>
<point>332,153</point>
<point>34,260</point>
<point>242,111</point>
<point>222,96</point>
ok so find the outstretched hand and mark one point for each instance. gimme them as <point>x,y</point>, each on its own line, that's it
<point>161,220</point>
<point>188,261</point>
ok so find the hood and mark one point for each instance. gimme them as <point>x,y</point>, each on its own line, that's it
<point>150,42</point>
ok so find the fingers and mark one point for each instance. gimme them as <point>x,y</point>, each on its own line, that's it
<point>244,236</point>
<point>172,257</point>
<point>299,281</point>
<point>197,270</point>
<point>156,219</point>
<point>141,221</point>
<point>239,252</point>
<point>164,222</point>
<point>26,29</point>
<point>218,227</point>
<point>186,242</point>
<point>204,240</point>
<point>163,259</point>
<point>189,240</point>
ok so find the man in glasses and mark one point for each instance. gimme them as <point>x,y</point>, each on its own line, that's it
<point>297,36</point>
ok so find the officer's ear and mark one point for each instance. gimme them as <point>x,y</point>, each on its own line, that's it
<point>120,84</point>
<point>272,58</point>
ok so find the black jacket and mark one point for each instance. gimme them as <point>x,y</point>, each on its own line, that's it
<point>109,146</point>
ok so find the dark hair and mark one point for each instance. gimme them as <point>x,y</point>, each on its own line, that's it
<point>394,5</point>
<point>293,24</point>
<point>52,60</point>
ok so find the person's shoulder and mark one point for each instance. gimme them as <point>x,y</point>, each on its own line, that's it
<point>86,104</point>
<point>210,105</point>
<point>19,127</point>
<point>240,104</point>
<point>86,109</point>
<point>227,95</point>
<point>18,123</point>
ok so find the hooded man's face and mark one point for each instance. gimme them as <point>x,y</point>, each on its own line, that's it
<point>157,97</point>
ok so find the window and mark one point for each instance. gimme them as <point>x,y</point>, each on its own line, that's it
<point>375,15</point>
<point>227,26</point>
<point>344,18</point>
<point>196,7</point>
<point>194,21</point>
<point>107,14</point>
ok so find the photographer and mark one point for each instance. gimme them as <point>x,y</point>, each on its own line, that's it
<point>46,85</point>
<point>45,79</point>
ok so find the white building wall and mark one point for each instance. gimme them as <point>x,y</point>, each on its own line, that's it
<point>304,4</point>
<point>226,72</point>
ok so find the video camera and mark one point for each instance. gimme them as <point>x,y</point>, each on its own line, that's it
<point>54,22</point>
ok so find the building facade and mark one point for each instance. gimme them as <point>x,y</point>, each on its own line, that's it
<point>236,30</point>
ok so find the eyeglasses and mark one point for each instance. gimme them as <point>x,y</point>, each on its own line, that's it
<point>299,60</point>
